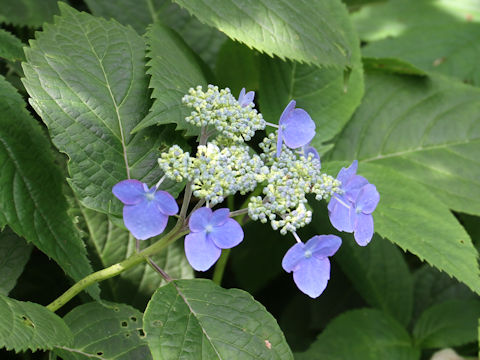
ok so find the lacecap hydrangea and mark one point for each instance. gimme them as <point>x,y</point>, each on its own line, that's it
<point>282,174</point>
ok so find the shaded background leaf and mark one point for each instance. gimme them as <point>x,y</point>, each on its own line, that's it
<point>27,12</point>
<point>31,198</point>
<point>26,325</point>
<point>105,331</point>
<point>173,69</point>
<point>14,254</point>
<point>450,323</point>
<point>365,334</point>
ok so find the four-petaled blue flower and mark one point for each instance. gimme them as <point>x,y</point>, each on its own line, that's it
<point>146,210</point>
<point>352,210</point>
<point>210,232</point>
<point>245,99</point>
<point>295,127</point>
<point>310,264</point>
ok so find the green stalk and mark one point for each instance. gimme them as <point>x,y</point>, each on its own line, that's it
<point>118,268</point>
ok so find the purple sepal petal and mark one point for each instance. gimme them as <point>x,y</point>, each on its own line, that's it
<point>345,174</point>
<point>228,235</point>
<point>307,150</point>
<point>299,129</point>
<point>323,246</point>
<point>367,199</point>
<point>312,276</point>
<point>241,95</point>
<point>144,220</point>
<point>286,112</point>
<point>363,229</point>
<point>199,219</point>
<point>353,186</point>
<point>293,257</point>
<point>129,192</point>
<point>341,213</point>
<point>201,252</point>
<point>245,99</point>
<point>166,203</point>
<point>219,216</point>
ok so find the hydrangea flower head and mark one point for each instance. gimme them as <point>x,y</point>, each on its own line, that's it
<point>351,211</point>
<point>310,264</point>
<point>245,99</point>
<point>295,128</point>
<point>210,232</point>
<point>146,211</point>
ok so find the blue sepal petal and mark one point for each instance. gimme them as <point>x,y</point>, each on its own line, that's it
<point>144,220</point>
<point>201,252</point>
<point>129,192</point>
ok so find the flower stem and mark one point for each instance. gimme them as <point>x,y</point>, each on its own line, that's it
<point>220,267</point>
<point>116,269</point>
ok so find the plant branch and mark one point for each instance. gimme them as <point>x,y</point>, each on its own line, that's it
<point>116,269</point>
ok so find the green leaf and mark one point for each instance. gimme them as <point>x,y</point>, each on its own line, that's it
<point>138,14</point>
<point>314,32</point>
<point>204,40</point>
<point>451,323</point>
<point>110,244</point>
<point>105,331</point>
<point>432,286</point>
<point>432,35</point>
<point>14,254</point>
<point>365,334</point>
<point>238,67</point>
<point>409,215</point>
<point>10,46</point>
<point>31,198</point>
<point>427,128</point>
<point>200,320</point>
<point>27,12</point>
<point>380,274</point>
<point>392,65</point>
<point>26,325</point>
<point>173,69</point>
<point>329,95</point>
<point>86,78</point>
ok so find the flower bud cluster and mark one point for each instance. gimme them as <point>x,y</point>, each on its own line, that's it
<point>215,172</point>
<point>291,176</point>
<point>220,109</point>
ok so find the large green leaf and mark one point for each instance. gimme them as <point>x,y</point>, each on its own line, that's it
<point>238,67</point>
<point>31,198</point>
<point>86,78</point>
<point>110,244</point>
<point>10,46</point>
<point>14,254</point>
<point>138,14</point>
<point>434,35</point>
<point>452,323</point>
<point>427,128</point>
<point>27,12</point>
<point>196,319</point>
<point>105,331</point>
<point>314,32</point>
<point>380,274</point>
<point>362,335</point>
<point>409,215</point>
<point>205,40</point>
<point>328,94</point>
<point>432,286</point>
<point>26,325</point>
<point>173,69</point>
